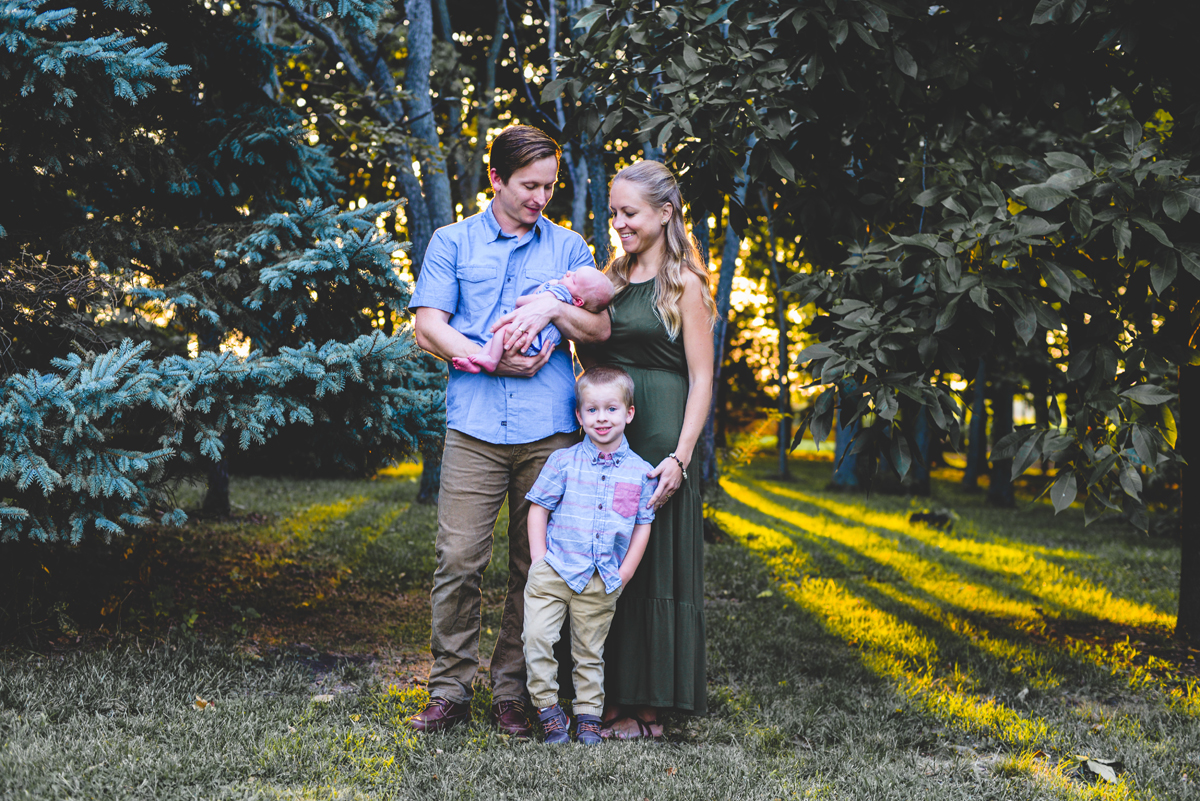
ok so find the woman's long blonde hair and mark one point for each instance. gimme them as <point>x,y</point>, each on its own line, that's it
<point>659,187</point>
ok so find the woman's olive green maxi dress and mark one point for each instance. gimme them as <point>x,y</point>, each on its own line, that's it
<point>654,655</point>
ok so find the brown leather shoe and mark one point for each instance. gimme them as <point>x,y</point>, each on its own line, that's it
<point>441,714</point>
<point>511,718</point>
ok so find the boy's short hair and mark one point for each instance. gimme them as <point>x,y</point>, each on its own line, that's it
<point>603,376</point>
<point>519,146</point>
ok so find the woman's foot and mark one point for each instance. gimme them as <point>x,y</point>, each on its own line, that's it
<point>631,728</point>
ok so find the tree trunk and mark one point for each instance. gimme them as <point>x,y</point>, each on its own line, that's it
<point>1187,626</point>
<point>472,174</point>
<point>846,473</point>
<point>216,497</point>
<point>593,153</point>
<point>917,481</point>
<point>1000,486</point>
<point>784,434</point>
<point>977,435</point>
<point>572,153</point>
<point>710,470</point>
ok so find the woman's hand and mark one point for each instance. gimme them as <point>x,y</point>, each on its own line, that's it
<point>526,321</point>
<point>670,477</point>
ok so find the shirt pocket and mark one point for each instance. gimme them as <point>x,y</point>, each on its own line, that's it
<point>626,498</point>
<point>478,285</point>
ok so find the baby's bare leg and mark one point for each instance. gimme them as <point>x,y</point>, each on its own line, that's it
<point>487,359</point>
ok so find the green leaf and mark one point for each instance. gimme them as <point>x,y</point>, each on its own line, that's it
<point>692,59</point>
<point>901,457</point>
<point>876,18</point>
<point>1027,454</point>
<point>1062,491</point>
<point>1034,226</point>
<point>1057,279</point>
<point>813,70</point>
<point>552,90</point>
<point>1131,481</point>
<point>817,351</point>
<point>1170,430</point>
<point>779,163</point>
<point>822,417</point>
<point>587,20</point>
<point>1041,197</point>
<point>1081,217</point>
<point>1122,237</point>
<point>1162,274</point>
<point>1148,394</point>
<point>1154,230</point>
<point>932,195</point>
<point>719,14</point>
<point>840,30</point>
<point>946,318</point>
<point>1143,445</point>
<point>865,35</point>
<point>1046,11</point>
<point>1133,134</point>
<point>927,348</point>
<point>1061,160</point>
<point>1191,262</point>
<point>904,61</point>
<point>1175,205</point>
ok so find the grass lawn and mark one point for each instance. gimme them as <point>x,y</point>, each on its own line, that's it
<point>852,655</point>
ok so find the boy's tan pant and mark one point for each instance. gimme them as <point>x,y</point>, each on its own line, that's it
<point>548,600</point>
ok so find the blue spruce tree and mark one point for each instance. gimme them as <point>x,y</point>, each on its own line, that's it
<point>163,209</point>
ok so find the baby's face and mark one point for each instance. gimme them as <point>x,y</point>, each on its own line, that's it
<point>572,283</point>
<point>582,283</point>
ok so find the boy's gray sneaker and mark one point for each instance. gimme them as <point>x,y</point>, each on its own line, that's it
<point>554,725</point>
<point>587,729</point>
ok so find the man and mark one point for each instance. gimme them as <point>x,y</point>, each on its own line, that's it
<point>501,427</point>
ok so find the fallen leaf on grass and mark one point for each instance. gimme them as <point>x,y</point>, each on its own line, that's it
<point>202,704</point>
<point>672,771</point>
<point>322,699</point>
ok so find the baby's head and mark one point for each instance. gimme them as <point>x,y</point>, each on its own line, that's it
<point>591,288</point>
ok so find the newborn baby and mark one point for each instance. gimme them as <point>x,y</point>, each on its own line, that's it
<point>586,287</point>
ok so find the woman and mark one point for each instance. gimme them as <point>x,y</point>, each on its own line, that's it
<point>662,320</point>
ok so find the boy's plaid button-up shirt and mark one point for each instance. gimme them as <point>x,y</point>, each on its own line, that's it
<point>595,500</point>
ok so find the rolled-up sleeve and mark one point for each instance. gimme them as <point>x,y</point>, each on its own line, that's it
<point>645,512</point>
<point>551,483</point>
<point>437,286</point>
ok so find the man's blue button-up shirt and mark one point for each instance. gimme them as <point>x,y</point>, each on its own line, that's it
<point>595,501</point>
<point>476,272</point>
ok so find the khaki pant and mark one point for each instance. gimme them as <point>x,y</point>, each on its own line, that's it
<point>548,600</point>
<point>476,478</point>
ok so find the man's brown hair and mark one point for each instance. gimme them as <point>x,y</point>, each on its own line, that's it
<point>605,376</point>
<point>519,146</point>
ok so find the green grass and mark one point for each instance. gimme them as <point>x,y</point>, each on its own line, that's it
<point>851,656</point>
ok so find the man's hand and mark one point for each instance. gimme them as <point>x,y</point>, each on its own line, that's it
<point>515,364</point>
<point>527,320</point>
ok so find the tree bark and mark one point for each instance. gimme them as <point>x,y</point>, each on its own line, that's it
<point>977,435</point>
<point>1187,626</point>
<point>572,153</point>
<point>435,181</point>
<point>710,470</point>
<point>597,175</point>
<point>471,179</point>
<point>846,472</point>
<point>1000,486</point>
<point>784,434</point>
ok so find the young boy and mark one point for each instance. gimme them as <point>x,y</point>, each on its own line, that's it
<point>586,287</point>
<point>588,526</point>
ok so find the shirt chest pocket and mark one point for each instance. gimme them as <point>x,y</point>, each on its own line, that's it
<point>626,498</point>
<point>478,287</point>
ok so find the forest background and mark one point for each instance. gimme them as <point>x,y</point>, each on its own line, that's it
<point>210,245</point>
